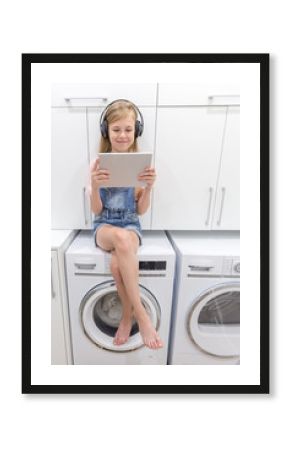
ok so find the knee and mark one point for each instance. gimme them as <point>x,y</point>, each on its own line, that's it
<point>123,242</point>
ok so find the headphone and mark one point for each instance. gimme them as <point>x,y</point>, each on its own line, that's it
<point>139,124</point>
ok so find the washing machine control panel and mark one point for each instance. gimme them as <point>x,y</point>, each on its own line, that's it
<point>227,265</point>
<point>236,267</point>
<point>231,266</point>
<point>215,265</point>
<point>152,265</point>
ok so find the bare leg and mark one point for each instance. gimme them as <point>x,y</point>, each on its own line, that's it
<point>125,325</point>
<point>125,243</point>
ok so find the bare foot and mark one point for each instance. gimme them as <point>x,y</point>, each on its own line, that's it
<point>123,331</point>
<point>149,335</point>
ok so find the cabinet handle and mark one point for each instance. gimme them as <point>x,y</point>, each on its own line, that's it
<point>222,205</point>
<point>68,99</point>
<point>84,203</point>
<point>209,205</point>
<point>52,283</point>
<point>223,95</point>
<point>226,99</point>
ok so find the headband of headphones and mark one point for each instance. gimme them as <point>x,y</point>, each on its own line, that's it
<point>139,124</point>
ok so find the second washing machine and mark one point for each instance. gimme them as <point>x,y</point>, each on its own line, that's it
<point>206,306</point>
<point>95,309</point>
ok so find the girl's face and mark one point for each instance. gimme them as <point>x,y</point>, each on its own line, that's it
<point>121,134</point>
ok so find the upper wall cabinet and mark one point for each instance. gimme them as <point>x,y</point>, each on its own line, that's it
<point>192,131</point>
<point>188,148</point>
<point>226,215</point>
<point>100,95</point>
<point>186,94</point>
<point>197,158</point>
<point>69,169</point>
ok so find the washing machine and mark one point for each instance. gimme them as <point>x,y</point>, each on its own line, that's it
<point>205,327</point>
<point>95,309</point>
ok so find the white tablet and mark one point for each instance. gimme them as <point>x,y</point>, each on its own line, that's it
<point>124,168</point>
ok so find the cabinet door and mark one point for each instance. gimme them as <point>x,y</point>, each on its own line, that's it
<point>190,94</point>
<point>227,208</point>
<point>69,169</point>
<point>58,348</point>
<point>188,148</point>
<point>145,142</point>
<point>102,94</point>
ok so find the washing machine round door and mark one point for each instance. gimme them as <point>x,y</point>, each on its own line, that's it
<point>101,312</point>
<point>214,320</point>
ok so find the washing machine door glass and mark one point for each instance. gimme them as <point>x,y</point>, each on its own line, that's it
<point>101,312</point>
<point>214,320</point>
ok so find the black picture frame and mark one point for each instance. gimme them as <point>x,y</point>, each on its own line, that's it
<point>263,61</point>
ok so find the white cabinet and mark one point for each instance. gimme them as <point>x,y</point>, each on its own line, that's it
<point>187,157</point>
<point>60,329</point>
<point>227,206</point>
<point>69,169</point>
<point>189,94</point>
<point>100,95</point>
<point>197,158</point>
<point>76,111</point>
<point>192,131</point>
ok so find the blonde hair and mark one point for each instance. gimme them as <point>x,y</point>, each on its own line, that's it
<point>118,110</point>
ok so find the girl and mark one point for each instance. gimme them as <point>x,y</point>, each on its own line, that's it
<point>116,225</point>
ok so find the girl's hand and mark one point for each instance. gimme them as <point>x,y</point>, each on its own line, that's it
<point>148,175</point>
<point>98,176</point>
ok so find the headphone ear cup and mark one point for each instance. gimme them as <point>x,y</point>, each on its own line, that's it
<point>104,128</point>
<point>138,128</point>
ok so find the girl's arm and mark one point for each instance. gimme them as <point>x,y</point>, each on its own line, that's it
<point>96,202</point>
<point>144,194</point>
<point>97,178</point>
<point>143,201</point>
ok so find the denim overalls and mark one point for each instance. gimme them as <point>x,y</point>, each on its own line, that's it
<point>119,209</point>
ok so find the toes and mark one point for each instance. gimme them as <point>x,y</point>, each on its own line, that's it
<point>120,340</point>
<point>148,343</point>
<point>159,342</point>
<point>153,344</point>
